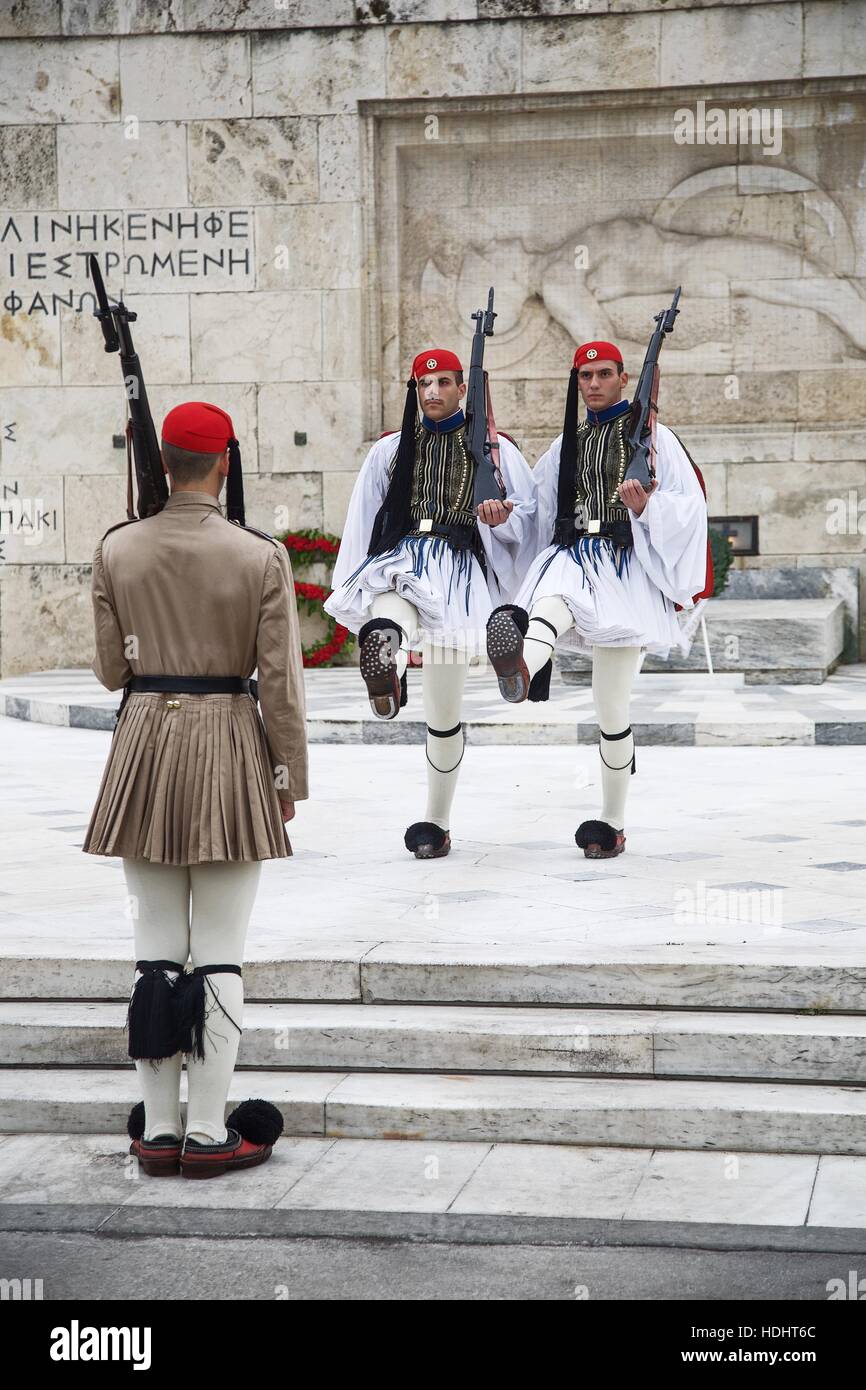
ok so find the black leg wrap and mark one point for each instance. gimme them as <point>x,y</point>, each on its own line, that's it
<point>404,690</point>
<point>151,1018</point>
<point>256,1120</point>
<point>595,832</point>
<point>424,832</point>
<point>191,1009</point>
<point>539,686</point>
<point>520,616</point>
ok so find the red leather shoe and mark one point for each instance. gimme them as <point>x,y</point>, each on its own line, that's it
<point>159,1157</point>
<point>253,1128</point>
<point>212,1160</point>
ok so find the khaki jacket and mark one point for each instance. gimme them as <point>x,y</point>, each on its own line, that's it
<point>187,593</point>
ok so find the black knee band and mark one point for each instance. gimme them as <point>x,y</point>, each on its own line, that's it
<point>445,733</point>
<point>612,739</point>
<point>546,624</point>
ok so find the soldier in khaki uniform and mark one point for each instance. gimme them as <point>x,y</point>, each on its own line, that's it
<point>196,788</point>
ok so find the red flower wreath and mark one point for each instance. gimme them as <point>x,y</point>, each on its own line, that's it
<point>306,548</point>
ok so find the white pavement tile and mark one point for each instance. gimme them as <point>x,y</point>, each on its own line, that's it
<point>380,1175</point>
<point>740,1188</point>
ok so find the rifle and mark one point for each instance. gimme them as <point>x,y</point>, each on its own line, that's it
<point>141,440</point>
<point>641,435</point>
<point>480,432</point>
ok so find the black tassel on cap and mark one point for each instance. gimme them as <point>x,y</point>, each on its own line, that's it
<point>152,1014</point>
<point>393,518</point>
<point>563,533</point>
<point>235,485</point>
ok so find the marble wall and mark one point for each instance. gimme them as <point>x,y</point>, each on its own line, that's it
<point>295,196</point>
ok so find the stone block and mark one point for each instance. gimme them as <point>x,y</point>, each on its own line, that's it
<point>328,413</point>
<point>339,159</point>
<point>284,501</point>
<point>58,80</point>
<point>314,73</point>
<point>161,335</point>
<point>447,61</point>
<point>801,510</point>
<point>235,397</point>
<point>28,166</point>
<point>29,350</point>
<point>267,336</point>
<point>30,19</point>
<point>253,161</point>
<point>834,39</point>
<point>58,630</point>
<point>309,248</point>
<point>93,504</point>
<point>266,14</point>
<point>336,491</point>
<point>342,346</point>
<point>62,431</point>
<point>716,45</point>
<point>588,54</point>
<point>122,165</point>
<point>123,16</point>
<point>31,520</point>
<point>199,77</point>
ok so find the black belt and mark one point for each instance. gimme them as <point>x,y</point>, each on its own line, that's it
<point>192,685</point>
<point>188,685</point>
<point>461,537</point>
<point>567,533</point>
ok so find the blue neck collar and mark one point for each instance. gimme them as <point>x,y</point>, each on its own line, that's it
<point>601,417</point>
<point>443,426</point>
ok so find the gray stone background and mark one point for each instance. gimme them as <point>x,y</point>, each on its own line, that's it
<point>296,197</point>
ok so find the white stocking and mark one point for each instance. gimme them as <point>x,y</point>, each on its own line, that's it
<point>613,673</point>
<point>443,680</point>
<point>222,901</point>
<point>392,605</point>
<point>539,641</point>
<point>158,898</point>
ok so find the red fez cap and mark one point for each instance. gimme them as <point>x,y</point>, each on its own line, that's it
<point>597,352</point>
<point>198,427</point>
<point>436,360</point>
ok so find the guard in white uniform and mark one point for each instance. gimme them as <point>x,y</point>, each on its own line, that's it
<point>618,564</point>
<point>420,569</point>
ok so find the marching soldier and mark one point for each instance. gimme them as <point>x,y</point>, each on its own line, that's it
<point>619,562</point>
<point>420,567</point>
<point>197,788</point>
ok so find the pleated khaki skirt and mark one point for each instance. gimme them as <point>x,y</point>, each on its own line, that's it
<point>188,785</point>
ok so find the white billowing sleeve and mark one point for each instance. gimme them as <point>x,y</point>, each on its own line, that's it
<point>670,535</point>
<point>368,494</point>
<point>511,546</point>
<point>545,482</point>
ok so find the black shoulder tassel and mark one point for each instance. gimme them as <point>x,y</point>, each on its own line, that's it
<point>394,516</point>
<point>563,533</point>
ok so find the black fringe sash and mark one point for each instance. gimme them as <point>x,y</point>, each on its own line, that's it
<point>191,1007</point>
<point>152,1016</point>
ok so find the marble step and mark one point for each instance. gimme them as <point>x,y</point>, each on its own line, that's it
<point>419,1037</point>
<point>555,1194</point>
<point>778,976</point>
<point>660,1114</point>
<point>792,640</point>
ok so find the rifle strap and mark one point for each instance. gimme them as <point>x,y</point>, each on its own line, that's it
<point>493,437</point>
<point>130,513</point>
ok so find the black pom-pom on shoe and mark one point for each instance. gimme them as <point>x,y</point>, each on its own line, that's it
<point>135,1122</point>
<point>598,840</point>
<point>258,1121</point>
<point>427,840</point>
